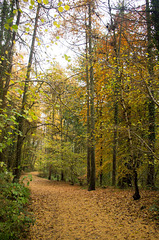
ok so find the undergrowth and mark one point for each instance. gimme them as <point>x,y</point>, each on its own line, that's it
<point>155,211</point>
<point>15,219</point>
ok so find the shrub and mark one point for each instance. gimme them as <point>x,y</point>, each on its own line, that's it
<point>14,217</point>
<point>155,210</point>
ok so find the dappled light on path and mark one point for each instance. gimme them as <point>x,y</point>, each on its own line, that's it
<point>69,212</point>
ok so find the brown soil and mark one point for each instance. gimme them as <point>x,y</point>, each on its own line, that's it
<point>69,212</point>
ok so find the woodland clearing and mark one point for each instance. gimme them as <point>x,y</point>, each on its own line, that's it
<point>70,212</point>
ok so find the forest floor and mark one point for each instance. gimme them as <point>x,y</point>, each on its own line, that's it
<point>70,212</point>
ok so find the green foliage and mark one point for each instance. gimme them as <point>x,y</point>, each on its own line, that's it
<point>155,210</point>
<point>15,219</point>
<point>9,122</point>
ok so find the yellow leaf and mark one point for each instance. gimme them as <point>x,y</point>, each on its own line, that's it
<point>59,4</point>
<point>55,23</point>
<point>45,1</point>
<point>66,7</point>
<point>60,9</point>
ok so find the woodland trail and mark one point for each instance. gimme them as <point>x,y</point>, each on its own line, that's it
<point>69,212</point>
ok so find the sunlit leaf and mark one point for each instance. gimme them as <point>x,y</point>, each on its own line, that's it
<point>59,3</point>
<point>66,7</point>
<point>15,28</point>
<point>60,9</point>
<point>56,24</point>
<point>6,26</point>
<point>42,20</point>
<point>14,11</point>
<point>27,29</point>
<point>45,1</point>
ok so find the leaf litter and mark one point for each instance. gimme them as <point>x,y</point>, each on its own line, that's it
<point>69,212</point>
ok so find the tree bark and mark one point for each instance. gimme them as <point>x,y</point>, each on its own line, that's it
<point>88,110</point>
<point>101,147</point>
<point>21,119</point>
<point>116,87</point>
<point>151,104</point>
<point>92,115</point>
<point>6,67</point>
<point>136,195</point>
<point>155,20</point>
<point>115,143</point>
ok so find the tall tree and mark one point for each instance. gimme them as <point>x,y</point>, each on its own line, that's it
<point>155,22</point>
<point>92,113</point>
<point>116,40</point>
<point>151,104</point>
<point>8,32</point>
<point>88,109</point>
<point>21,119</point>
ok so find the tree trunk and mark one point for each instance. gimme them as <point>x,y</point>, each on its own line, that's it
<point>155,20</point>
<point>50,172</point>
<point>92,115</point>
<point>151,104</point>
<point>136,195</point>
<point>21,137</point>
<point>115,143</point>
<point>6,67</point>
<point>117,47</point>
<point>88,110</point>
<point>101,147</point>
<point>132,160</point>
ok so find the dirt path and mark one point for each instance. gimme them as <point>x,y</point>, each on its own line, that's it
<point>71,213</point>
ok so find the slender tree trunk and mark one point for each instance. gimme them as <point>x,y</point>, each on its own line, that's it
<point>101,147</point>
<point>50,172</point>
<point>92,114</point>
<point>6,67</point>
<point>88,110</point>
<point>132,157</point>
<point>116,87</point>
<point>10,58</point>
<point>151,103</point>
<point>62,172</point>
<point>20,138</point>
<point>155,20</point>
<point>115,143</point>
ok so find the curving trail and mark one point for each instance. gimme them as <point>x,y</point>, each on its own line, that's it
<point>71,213</point>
